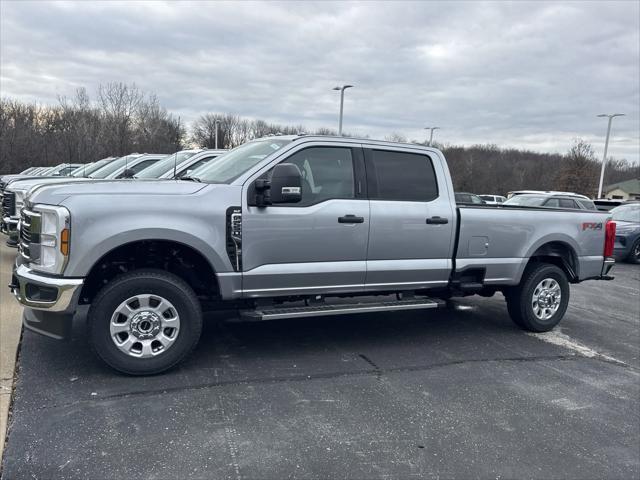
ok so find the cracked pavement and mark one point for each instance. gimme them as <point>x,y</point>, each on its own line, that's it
<point>451,393</point>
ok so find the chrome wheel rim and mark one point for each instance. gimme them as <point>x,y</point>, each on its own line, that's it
<point>636,251</point>
<point>144,326</point>
<point>546,299</point>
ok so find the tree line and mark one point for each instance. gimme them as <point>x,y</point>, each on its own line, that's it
<point>124,119</point>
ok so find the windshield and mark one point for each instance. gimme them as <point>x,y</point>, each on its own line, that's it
<point>231,165</point>
<point>164,165</point>
<point>88,169</point>
<point>78,172</point>
<point>627,213</point>
<point>110,167</point>
<point>526,200</point>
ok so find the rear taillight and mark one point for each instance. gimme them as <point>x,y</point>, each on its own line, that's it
<point>609,238</point>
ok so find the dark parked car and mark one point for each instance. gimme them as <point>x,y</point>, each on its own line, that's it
<point>468,198</point>
<point>605,205</point>
<point>627,218</point>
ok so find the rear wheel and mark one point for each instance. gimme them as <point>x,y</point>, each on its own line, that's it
<point>145,322</point>
<point>540,301</point>
<point>634,254</point>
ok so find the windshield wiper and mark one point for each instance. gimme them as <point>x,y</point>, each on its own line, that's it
<point>192,179</point>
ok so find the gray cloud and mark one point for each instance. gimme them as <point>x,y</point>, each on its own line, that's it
<point>530,75</point>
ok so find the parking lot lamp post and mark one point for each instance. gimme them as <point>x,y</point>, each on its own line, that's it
<point>341,89</point>
<point>217,125</point>
<point>606,147</point>
<point>431,134</point>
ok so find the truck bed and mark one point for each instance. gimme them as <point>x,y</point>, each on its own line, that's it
<point>502,238</point>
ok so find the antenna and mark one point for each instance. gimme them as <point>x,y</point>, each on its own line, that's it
<point>175,164</point>
<point>175,155</point>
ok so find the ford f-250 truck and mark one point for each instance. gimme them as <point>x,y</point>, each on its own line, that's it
<point>286,227</point>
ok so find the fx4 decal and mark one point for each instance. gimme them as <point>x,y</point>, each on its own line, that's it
<point>591,226</point>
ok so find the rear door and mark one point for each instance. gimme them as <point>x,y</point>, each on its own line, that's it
<point>412,220</point>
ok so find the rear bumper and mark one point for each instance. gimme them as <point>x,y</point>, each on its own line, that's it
<point>50,302</point>
<point>606,268</point>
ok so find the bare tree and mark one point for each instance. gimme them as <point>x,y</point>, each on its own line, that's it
<point>579,171</point>
<point>119,103</point>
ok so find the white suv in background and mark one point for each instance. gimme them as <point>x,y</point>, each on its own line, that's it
<point>493,199</point>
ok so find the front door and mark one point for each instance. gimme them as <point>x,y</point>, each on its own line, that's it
<point>318,245</point>
<point>412,220</point>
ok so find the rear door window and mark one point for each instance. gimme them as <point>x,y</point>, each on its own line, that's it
<point>402,176</point>
<point>587,204</point>
<point>568,203</point>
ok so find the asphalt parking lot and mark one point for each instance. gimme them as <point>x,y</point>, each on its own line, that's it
<point>455,393</point>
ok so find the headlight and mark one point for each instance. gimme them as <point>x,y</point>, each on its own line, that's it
<point>50,234</point>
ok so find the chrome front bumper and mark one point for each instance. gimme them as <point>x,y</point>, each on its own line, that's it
<point>9,225</point>
<point>53,294</point>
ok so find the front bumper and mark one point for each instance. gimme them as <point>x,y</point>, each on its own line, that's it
<point>50,302</point>
<point>9,225</point>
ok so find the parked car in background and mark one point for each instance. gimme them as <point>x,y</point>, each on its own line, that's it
<point>543,192</point>
<point>13,194</point>
<point>63,170</point>
<point>468,198</point>
<point>132,163</point>
<point>86,170</point>
<point>493,199</point>
<point>606,205</point>
<point>627,218</point>
<point>287,227</point>
<point>179,164</point>
<point>552,200</point>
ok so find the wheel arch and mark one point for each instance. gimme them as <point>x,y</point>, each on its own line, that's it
<point>559,253</point>
<point>173,256</point>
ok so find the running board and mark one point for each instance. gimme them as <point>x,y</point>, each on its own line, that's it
<point>273,313</point>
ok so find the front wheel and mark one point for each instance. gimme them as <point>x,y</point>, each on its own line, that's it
<point>540,301</point>
<point>145,322</point>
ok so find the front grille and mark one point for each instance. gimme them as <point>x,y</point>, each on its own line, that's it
<point>8,204</point>
<point>29,234</point>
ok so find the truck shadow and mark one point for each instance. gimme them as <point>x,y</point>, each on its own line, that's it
<point>60,373</point>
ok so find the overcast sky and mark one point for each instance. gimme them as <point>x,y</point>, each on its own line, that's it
<point>529,75</point>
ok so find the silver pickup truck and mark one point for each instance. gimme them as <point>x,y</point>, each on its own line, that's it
<point>286,227</point>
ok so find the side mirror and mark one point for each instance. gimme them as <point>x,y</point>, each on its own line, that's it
<point>128,173</point>
<point>286,184</point>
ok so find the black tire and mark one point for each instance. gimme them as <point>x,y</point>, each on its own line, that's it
<point>634,254</point>
<point>520,298</point>
<point>142,282</point>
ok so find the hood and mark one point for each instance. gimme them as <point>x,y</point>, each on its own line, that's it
<point>56,194</point>
<point>13,177</point>
<point>26,184</point>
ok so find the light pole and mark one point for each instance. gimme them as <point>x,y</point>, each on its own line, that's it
<point>431,134</point>
<point>217,123</point>
<point>606,147</point>
<point>341,89</point>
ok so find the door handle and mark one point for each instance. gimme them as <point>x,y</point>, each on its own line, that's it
<point>350,219</point>
<point>437,221</point>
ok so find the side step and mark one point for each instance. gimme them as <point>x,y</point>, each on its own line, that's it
<point>275,313</point>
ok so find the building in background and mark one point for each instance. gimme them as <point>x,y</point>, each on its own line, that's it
<point>627,190</point>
